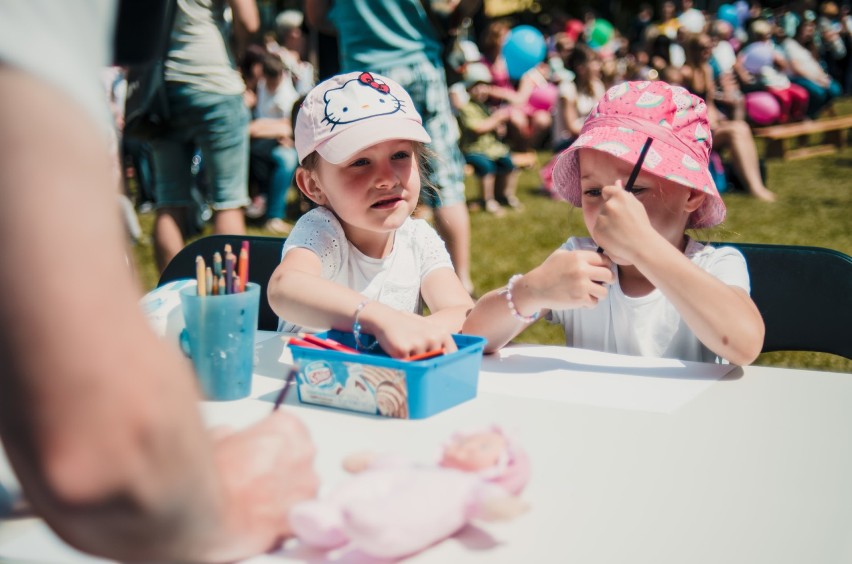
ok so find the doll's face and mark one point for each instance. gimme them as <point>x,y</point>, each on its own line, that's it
<point>475,452</point>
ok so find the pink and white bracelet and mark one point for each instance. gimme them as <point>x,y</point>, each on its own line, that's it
<point>510,302</point>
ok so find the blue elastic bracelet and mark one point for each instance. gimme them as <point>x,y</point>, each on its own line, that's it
<point>356,329</point>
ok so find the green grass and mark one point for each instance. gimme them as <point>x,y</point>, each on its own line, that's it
<point>814,207</point>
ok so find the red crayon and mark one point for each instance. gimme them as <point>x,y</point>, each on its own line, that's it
<point>296,342</point>
<point>330,344</point>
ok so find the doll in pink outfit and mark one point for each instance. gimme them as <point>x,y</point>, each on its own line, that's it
<point>392,508</point>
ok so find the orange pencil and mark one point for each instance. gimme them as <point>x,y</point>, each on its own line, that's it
<point>242,269</point>
<point>425,355</point>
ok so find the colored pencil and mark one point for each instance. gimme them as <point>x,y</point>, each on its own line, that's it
<point>296,342</point>
<point>217,264</point>
<point>425,355</point>
<point>208,280</point>
<point>282,395</point>
<point>229,272</point>
<point>215,285</point>
<point>199,275</point>
<point>243,266</point>
<point>330,344</point>
<point>634,174</point>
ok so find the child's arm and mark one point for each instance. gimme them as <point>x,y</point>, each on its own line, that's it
<point>497,118</point>
<point>448,301</point>
<point>722,317</point>
<point>298,293</point>
<point>565,280</point>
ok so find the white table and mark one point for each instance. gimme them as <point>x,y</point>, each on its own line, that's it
<point>634,460</point>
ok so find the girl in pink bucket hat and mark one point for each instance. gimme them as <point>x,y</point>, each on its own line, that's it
<point>639,285</point>
<point>359,261</point>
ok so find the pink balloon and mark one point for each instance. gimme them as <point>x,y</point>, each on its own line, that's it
<point>762,108</point>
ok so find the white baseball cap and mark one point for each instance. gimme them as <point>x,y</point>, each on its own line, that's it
<point>352,111</point>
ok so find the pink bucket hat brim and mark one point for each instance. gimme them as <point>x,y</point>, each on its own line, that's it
<point>620,125</point>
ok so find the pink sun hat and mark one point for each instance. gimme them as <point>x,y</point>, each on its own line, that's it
<point>623,120</point>
<point>353,111</point>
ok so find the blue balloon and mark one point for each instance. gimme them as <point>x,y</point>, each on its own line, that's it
<point>742,10</point>
<point>728,13</point>
<point>523,49</point>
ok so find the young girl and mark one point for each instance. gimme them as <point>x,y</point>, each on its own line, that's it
<point>638,285</point>
<point>359,261</point>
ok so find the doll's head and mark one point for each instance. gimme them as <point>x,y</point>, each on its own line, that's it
<point>623,120</point>
<point>490,453</point>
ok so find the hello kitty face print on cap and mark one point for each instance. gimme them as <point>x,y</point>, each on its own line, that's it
<point>352,111</point>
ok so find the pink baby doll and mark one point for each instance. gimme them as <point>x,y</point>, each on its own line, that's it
<point>392,508</point>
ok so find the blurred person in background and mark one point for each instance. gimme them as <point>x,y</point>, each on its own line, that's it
<point>805,69</point>
<point>728,134</point>
<point>205,96</point>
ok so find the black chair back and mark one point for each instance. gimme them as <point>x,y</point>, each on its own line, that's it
<point>264,256</point>
<point>804,295</point>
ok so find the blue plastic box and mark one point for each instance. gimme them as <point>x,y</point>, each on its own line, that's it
<point>377,384</point>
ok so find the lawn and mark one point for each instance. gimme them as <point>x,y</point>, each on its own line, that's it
<point>814,207</point>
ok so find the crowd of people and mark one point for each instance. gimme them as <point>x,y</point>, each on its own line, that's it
<point>753,66</point>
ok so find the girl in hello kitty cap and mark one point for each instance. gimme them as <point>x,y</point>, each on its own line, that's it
<point>639,285</point>
<point>359,261</point>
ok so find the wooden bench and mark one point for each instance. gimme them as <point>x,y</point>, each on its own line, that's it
<point>834,132</point>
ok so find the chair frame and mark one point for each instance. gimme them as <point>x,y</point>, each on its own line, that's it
<point>264,256</point>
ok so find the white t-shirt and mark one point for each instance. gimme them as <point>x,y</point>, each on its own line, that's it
<point>803,58</point>
<point>725,56</point>
<point>647,325</point>
<point>585,103</point>
<point>277,104</point>
<point>394,280</point>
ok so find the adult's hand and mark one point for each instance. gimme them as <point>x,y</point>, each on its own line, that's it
<point>266,469</point>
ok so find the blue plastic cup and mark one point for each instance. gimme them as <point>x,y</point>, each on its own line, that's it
<point>219,338</point>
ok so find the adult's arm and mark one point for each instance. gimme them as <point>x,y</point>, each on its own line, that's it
<point>246,22</point>
<point>98,416</point>
<point>270,128</point>
<point>316,12</point>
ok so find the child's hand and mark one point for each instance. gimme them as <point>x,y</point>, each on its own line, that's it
<point>568,280</point>
<point>622,224</point>
<point>402,334</point>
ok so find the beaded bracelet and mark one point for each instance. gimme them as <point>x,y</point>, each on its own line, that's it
<point>510,302</point>
<point>356,329</point>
